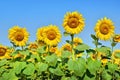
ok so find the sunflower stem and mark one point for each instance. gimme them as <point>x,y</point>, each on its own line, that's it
<point>96,43</point>
<point>48,50</point>
<point>73,54</point>
<point>22,48</point>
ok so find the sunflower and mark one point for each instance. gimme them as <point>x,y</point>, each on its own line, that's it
<point>104,61</point>
<point>4,52</point>
<point>93,56</point>
<point>116,54</point>
<point>53,49</point>
<point>117,61</point>
<point>104,29</point>
<point>51,35</point>
<point>58,53</point>
<point>19,36</point>
<point>39,33</point>
<point>33,47</point>
<point>116,38</point>
<point>76,41</point>
<point>67,47</point>
<point>73,22</point>
<point>40,43</point>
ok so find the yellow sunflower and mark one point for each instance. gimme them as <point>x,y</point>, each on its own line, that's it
<point>67,47</point>
<point>33,47</point>
<point>4,52</point>
<point>73,22</point>
<point>52,35</point>
<point>19,36</point>
<point>58,53</point>
<point>39,33</point>
<point>53,49</point>
<point>104,61</point>
<point>96,56</point>
<point>76,41</point>
<point>93,56</point>
<point>104,29</point>
<point>117,61</point>
<point>116,38</point>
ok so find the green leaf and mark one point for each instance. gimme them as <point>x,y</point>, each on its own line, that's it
<point>29,70</point>
<point>3,62</point>
<point>41,49</point>
<point>71,64</point>
<point>88,78</point>
<point>15,52</point>
<point>82,47</point>
<point>113,44</point>
<point>25,52</point>
<point>68,41</point>
<point>36,57</point>
<point>91,51</point>
<point>41,67</point>
<point>18,66</point>
<point>52,59</point>
<point>73,78</point>
<point>93,66</point>
<point>105,50</point>
<point>94,37</point>
<point>106,76</point>
<point>77,66</point>
<point>117,75</point>
<point>64,78</point>
<point>66,54</point>
<point>9,76</point>
<point>117,54</point>
<point>112,67</point>
<point>66,34</point>
<point>2,69</point>
<point>56,71</point>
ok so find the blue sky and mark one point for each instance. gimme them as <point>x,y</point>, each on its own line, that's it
<point>33,14</point>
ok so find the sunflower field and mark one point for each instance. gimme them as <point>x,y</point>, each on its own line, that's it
<point>43,59</point>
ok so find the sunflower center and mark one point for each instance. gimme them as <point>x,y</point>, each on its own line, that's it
<point>51,35</point>
<point>19,36</point>
<point>2,51</point>
<point>73,22</point>
<point>104,29</point>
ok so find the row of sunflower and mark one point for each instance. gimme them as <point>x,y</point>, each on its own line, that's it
<point>75,60</point>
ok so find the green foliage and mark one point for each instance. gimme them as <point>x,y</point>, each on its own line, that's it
<point>117,54</point>
<point>106,75</point>
<point>77,66</point>
<point>30,69</point>
<point>82,47</point>
<point>18,66</point>
<point>41,49</point>
<point>25,52</point>
<point>93,66</point>
<point>9,76</point>
<point>51,60</point>
<point>56,71</point>
<point>3,62</point>
<point>66,54</point>
<point>112,67</point>
<point>41,67</point>
<point>66,34</point>
<point>106,51</point>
